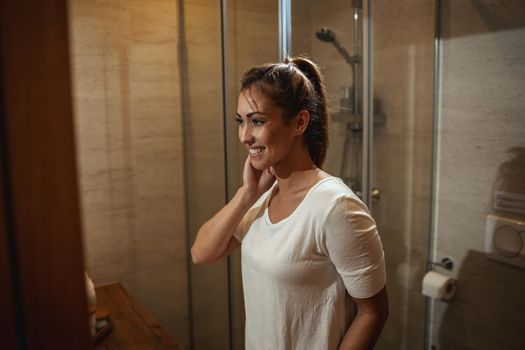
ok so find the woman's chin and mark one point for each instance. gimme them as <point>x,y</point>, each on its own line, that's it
<point>259,165</point>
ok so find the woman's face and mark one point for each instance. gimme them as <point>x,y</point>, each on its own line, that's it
<point>262,130</point>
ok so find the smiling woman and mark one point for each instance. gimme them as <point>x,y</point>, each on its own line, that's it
<point>263,130</point>
<point>312,261</point>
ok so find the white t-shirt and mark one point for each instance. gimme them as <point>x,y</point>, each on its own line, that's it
<point>298,274</point>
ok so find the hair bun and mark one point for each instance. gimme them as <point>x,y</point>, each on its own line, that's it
<point>306,66</point>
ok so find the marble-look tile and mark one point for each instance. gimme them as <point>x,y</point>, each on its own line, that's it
<point>468,173</point>
<point>153,21</point>
<point>468,165</point>
<point>502,81</point>
<point>158,168</point>
<point>103,20</point>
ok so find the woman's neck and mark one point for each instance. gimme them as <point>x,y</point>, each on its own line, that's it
<point>299,180</point>
<point>297,172</point>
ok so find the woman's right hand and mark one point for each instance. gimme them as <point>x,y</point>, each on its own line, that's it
<point>256,182</point>
<point>214,239</point>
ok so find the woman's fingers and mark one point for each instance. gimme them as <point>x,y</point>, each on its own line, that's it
<point>251,175</point>
<point>257,180</point>
<point>266,181</point>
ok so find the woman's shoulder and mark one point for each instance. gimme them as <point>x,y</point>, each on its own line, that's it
<point>332,194</point>
<point>331,187</point>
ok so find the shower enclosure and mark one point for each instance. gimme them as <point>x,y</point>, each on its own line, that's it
<point>391,70</point>
<point>427,126</point>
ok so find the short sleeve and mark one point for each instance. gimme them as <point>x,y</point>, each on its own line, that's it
<point>350,239</point>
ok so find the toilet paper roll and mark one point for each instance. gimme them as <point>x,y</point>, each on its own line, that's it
<point>438,286</point>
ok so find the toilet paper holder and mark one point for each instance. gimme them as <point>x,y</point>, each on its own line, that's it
<point>445,263</point>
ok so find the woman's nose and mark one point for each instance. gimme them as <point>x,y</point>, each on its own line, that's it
<point>245,134</point>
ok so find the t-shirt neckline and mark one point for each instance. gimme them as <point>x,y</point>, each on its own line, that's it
<point>283,221</point>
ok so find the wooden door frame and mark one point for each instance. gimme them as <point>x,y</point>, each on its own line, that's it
<point>40,232</point>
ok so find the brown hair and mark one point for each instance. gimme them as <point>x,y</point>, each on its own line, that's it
<point>295,85</point>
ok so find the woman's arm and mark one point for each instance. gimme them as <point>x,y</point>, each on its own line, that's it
<point>215,238</point>
<point>364,331</point>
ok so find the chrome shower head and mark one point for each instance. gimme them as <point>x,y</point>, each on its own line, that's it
<point>326,35</point>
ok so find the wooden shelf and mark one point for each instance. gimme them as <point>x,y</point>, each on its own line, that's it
<point>133,326</point>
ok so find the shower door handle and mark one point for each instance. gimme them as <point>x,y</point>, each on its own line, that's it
<point>376,194</point>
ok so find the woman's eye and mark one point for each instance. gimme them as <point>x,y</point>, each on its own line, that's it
<point>238,120</point>
<point>257,122</point>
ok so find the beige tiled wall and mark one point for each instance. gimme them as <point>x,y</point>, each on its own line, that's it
<point>126,85</point>
<point>482,132</point>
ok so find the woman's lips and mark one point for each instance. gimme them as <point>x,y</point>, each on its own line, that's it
<point>255,151</point>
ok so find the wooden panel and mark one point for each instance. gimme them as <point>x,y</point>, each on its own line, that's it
<point>7,298</point>
<point>42,172</point>
<point>133,327</point>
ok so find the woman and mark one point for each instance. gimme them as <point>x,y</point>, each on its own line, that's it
<point>312,261</point>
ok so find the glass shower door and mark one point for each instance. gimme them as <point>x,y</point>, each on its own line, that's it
<point>382,147</point>
<point>402,59</point>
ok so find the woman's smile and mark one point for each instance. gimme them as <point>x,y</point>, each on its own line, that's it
<point>256,151</point>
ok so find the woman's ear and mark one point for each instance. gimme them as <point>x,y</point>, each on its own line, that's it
<point>301,121</point>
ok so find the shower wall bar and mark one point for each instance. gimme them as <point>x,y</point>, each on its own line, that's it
<point>368,105</point>
<point>225,128</point>
<point>285,28</point>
